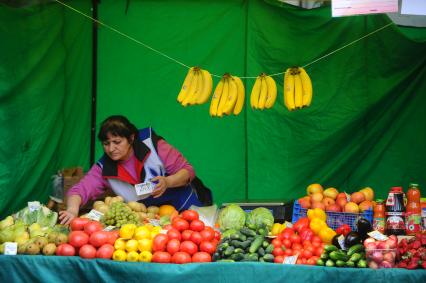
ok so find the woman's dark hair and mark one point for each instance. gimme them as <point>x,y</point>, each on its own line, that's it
<point>117,125</point>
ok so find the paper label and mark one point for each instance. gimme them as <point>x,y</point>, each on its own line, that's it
<point>341,240</point>
<point>291,259</point>
<point>144,188</point>
<point>162,231</point>
<point>33,205</point>
<point>377,236</point>
<point>10,248</point>
<point>341,8</point>
<point>154,222</point>
<point>94,215</point>
<point>288,224</point>
<point>109,228</point>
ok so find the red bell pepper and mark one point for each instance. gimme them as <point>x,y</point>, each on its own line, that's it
<point>344,229</point>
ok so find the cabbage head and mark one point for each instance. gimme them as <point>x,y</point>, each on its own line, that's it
<point>259,217</point>
<point>231,217</point>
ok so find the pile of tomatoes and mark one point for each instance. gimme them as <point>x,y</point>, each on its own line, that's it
<point>88,240</point>
<point>187,240</point>
<point>298,240</point>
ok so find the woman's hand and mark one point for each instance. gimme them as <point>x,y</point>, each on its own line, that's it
<point>161,186</point>
<point>66,216</point>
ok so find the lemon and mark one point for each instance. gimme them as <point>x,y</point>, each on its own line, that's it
<point>132,256</point>
<point>120,244</point>
<point>145,256</point>
<point>132,245</point>
<point>119,255</point>
<point>145,245</point>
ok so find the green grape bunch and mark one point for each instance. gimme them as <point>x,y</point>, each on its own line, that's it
<point>119,214</point>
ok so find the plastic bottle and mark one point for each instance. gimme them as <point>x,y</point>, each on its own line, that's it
<point>423,205</point>
<point>379,216</point>
<point>413,215</point>
<point>395,212</point>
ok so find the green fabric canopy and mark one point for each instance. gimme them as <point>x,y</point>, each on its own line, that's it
<point>365,127</point>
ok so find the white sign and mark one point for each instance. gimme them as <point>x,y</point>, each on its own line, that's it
<point>377,235</point>
<point>154,222</point>
<point>341,240</point>
<point>288,224</point>
<point>291,259</point>
<point>144,188</point>
<point>109,228</point>
<point>341,8</point>
<point>10,248</point>
<point>95,215</point>
<point>33,206</point>
<point>413,7</point>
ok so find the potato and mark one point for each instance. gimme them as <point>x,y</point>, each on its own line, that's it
<point>134,205</point>
<point>151,215</point>
<point>153,209</point>
<point>108,200</point>
<point>98,203</point>
<point>103,208</point>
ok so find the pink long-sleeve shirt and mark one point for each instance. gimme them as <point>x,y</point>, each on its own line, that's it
<point>93,184</point>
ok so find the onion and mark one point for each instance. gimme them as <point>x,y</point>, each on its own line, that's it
<point>386,264</point>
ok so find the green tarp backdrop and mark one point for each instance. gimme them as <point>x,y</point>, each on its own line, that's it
<point>366,125</point>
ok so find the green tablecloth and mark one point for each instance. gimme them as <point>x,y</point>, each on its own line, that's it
<point>24,268</point>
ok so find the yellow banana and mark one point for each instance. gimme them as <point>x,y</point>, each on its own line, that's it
<point>232,96</point>
<point>241,96</point>
<point>289,90</point>
<point>263,93</point>
<point>216,98</point>
<point>224,96</point>
<point>193,89</point>
<point>206,88</point>
<point>185,86</point>
<point>298,91</point>
<point>255,93</point>
<point>272,92</point>
<point>306,86</point>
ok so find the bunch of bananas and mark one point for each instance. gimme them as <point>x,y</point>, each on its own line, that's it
<point>228,96</point>
<point>196,88</point>
<point>297,88</point>
<point>263,93</point>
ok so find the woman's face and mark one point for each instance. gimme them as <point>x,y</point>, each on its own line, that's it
<point>117,148</point>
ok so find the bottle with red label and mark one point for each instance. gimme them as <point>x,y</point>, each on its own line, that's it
<point>413,215</point>
<point>379,216</point>
<point>395,212</point>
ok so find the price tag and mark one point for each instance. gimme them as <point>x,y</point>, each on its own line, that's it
<point>109,228</point>
<point>348,197</point>
<point>291,259</point>
<point>94,215</point>
<point>10,248</point>
<point>144,188</point>
<point>33,205</point>
<point>154,222</point>
<point>341,240</point>
<point>377,235</point>
<point>162,231</point>
<point>288,224</point>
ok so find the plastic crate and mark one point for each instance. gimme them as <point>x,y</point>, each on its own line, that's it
<point>334,219</point>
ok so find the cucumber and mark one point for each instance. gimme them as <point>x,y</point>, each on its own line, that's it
<point>329,263</point>
<point>350,264</point>
<point>261,259</point>
<point>251,226</point>
<point>320,262</point>
<point>340,263</point>
<point>262,231</point>
<point>330,248</point>
<point>269,249</point>
<point>229,250</point>
<point>236,236</point>
<point>237,256</point>
<point>255,245</point>
<point>245,244</point>
<point>265,244</point>
<point>216,256</point>
<point>362,263</point>
<point>248,232</point>
<point>355,257</point>
<point>253,257</point>
<point>222,246</point>
<point>338,255</point>
<point>324,256</point>
<point>225,260</point>
<point>268,258</point>
<point>238,250</point>
<point>261,251</point>
<point>355,249</point>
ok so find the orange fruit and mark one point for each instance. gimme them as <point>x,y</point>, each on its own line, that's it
<point>166,209</point>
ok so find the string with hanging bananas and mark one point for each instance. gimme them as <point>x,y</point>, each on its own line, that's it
<point>297,88</point>
<point>263,93</point>
<point>196,88</point>
<point>228,96</point>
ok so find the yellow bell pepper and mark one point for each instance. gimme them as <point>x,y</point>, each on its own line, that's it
<point>275,229</point>
<point>326,235</point>
<point>317,213</point>
<point>317,225</point>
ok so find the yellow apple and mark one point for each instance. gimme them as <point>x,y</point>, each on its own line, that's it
<point>368,193</point>
<point>351,207</point>
<point>314,188</point>
<point>331,193</point>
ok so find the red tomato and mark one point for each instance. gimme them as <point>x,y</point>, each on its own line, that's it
<point>189,215</point>
<point>311,261</point>
<point>316,238</point>
<point>287,232</point>
<point>174,234</point>
<point>208,247</point>
<point>180,224</point>
<point>207,234</point>
<point>310,248</point>
<point>173,246</point>
<point>279,259</point>
<point>188,247</point>
<point>159,243</point>
<point>87,251</point>
<point>105,251</point>
<point>278,251</point>
<point>288,252</point>
<point>113,236</point>
<point>65,250</point>
<point>217,235</point>
<point>306,254</point>
<point>181,257</point>
<point>201,257</point>
<point>294,238</point>
<point>92,226</point>
<point>276,243</point>
<point>316,244</point>
<point>318,251</point>
<point>306,243</point>
<point>186,235</point>
<point>287,243</point>
<point>77,224</point>
<point>161,257</point>
<point>78,239</point>
<point>296,246</point>
<point>299,261</point>
<point>306,233</point>
<point>215,242</point>
<point>196,225</point>
<point>301,223</point>
<point>99,238</point>
<point>196,237</point>
<point>167,227</point>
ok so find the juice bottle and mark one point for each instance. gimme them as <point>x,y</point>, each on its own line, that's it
<point>413,213</point>
<point>379,216</point>
<point>395,210</point>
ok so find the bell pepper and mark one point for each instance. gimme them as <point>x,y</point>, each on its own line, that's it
<point>344,229</point>
<point>326,235</point>
<point>306,234</point>
<point>276,229</point>
<point>317,213</point>
<point>317,225</point>
<point>301,223</point>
